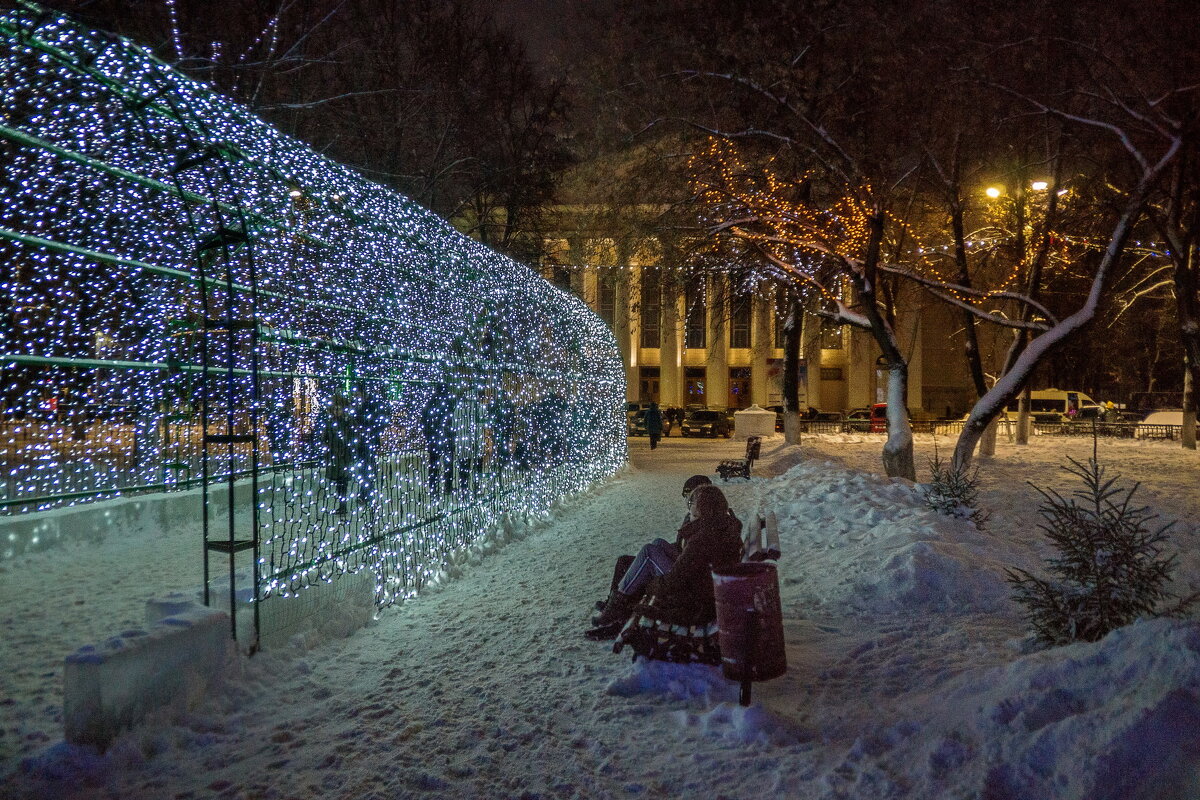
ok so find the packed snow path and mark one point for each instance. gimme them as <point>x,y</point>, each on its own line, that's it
<point>906,673</point>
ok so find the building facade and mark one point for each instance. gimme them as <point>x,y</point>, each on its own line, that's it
<point>695,339</point>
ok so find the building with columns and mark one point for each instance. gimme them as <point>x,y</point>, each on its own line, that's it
<point>689,338</point>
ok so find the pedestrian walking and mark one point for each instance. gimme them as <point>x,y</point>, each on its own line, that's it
<point>339,448</point>
<point>654,424</point>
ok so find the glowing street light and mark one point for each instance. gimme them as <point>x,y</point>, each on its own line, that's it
<point>993,192</point>
<point>1038,186</point>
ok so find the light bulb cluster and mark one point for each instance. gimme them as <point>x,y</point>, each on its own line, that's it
<point>804,242</point>
<point>807,242</point>
<point>175,268</point>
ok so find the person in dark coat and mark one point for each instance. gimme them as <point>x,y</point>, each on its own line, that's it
<point>678,579</point>
<point>368,421</point>
<point>339,448</point>
<point>654,424</point>
<point>437,427</point>
<point>623,562</point>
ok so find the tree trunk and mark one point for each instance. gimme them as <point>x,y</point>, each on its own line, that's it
<point>1188,434</point>
<point>792,339</point>
<point>1023,418</point>
<point>898,449</point>
<point>1187,290</point>
<point>971,349</point>
<point>987,442</point>
<point>791,427</point>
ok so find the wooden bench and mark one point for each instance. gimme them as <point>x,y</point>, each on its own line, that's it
<point>655,636</point>
<point>659,638</point>
<point>761,540</point>
<point>740,467</point>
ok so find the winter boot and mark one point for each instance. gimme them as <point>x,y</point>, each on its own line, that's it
<point>604,633</point>
<point>623,564</point>
<point>616,611</point>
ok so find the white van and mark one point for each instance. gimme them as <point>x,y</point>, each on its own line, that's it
<point>1057,405</point>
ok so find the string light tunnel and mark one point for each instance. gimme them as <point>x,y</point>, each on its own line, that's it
<point>194,301</point>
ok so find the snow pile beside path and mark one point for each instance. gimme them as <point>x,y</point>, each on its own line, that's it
<point>1118,719</point>
<point>713,703</point>
<point>681,681</point>
<point>873,544</point>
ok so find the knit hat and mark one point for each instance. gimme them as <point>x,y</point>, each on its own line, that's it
<point>694,481</point>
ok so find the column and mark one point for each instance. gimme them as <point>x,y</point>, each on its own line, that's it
<point>671,350</point>
<point>860,368</point>
<point>717,374</point>
<point>625,330</point>
<point>810,351</point>
<point>761,347</point>
<point>916,365</point>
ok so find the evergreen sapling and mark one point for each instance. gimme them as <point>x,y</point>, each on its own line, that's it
<point>1109,570</point>
<point>954,491</point>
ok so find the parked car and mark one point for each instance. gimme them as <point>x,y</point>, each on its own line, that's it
<point>636,426</point>
<point>878,420</point>
<point>778,417</point>
<point>707,422</point>
<point>1056,405</point>
<point>858,420</point>
<point>826,421</point>
<point>1161,425</point>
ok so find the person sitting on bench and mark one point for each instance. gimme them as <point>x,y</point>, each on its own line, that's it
<point>678,578</point>
<point>623,562</point>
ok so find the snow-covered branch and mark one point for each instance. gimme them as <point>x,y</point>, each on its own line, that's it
<point>947,291</point>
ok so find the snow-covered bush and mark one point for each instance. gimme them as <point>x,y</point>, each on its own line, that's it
<point>954,491</point>
<point>1110,569</point>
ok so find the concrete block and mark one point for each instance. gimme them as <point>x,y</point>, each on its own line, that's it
<point>111,686</point>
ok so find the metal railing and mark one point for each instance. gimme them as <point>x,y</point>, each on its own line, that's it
<point>953,427</point>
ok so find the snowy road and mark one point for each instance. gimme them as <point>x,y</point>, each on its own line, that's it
<point>906,677</point>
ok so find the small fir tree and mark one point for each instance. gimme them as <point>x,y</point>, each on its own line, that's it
<point>1110,569</point>
<point>954,491</point>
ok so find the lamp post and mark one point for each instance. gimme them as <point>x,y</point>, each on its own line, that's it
<point>1019,199</point>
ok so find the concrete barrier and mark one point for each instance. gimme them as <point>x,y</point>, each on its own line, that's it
<point>110,686</point>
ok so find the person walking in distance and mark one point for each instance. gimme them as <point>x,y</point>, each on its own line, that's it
<point>654,424</point>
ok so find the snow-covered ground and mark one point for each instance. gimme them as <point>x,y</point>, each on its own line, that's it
<point>910,673</point>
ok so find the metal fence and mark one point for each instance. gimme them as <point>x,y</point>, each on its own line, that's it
<point>1110,430</point>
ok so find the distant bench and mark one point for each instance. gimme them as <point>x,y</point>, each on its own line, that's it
<point>740,467</point>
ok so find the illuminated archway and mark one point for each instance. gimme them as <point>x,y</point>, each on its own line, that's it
<point>193,298</point>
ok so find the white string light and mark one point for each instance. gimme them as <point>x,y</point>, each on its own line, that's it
<point>118,174</point>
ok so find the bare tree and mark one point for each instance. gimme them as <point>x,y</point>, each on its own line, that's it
<point>1176,215</point>
<point>818,245</point>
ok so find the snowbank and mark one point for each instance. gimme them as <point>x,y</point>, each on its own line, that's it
<point>909,673</point>
<point>875,546</point>
<point>1113,720</point>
